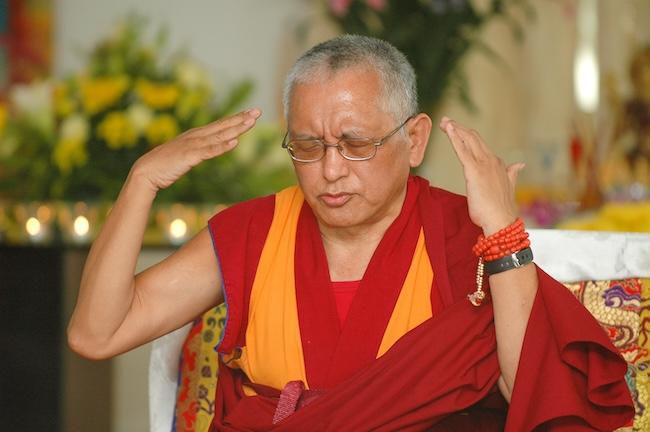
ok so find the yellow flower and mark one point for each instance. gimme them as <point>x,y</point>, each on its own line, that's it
<point>157,95</point>
<point>4,114</point>
<point>69,153</point>
<point>63,103</point>
<point>117,130</point>
<point>162,128</point>
<point>98,94</point>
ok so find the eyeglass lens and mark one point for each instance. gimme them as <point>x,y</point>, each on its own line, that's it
<point>314,150</point>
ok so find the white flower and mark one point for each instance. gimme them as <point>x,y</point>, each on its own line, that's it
<point>33,102</point>
<point>31,99</point>
<point>191,75</point>
<point>140,117</point>
<point>75,128</point>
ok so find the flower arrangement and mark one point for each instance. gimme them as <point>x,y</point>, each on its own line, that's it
<point>433,34</point>
<point>76,138</point>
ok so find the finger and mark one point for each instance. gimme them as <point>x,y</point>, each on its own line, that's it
<point>218,149</point>
<point>459,146</point>
<point>513,172</point>
<point>465,135</point>
<point>444,121</point>
<point>473,141</point>
<point>226,135</point>
<point>480,141</point>
<point>234,120</point>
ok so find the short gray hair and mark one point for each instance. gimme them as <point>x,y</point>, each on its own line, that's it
<point>349,51</point>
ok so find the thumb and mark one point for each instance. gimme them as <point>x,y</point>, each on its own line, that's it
<point>513,171</point>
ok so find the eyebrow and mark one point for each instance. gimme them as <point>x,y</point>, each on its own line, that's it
<point>350,133</point>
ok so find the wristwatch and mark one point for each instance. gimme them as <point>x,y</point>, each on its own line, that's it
<point>516,260</point>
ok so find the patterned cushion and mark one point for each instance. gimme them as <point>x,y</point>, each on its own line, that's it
<point>620,306</point>
<point>197,380</point>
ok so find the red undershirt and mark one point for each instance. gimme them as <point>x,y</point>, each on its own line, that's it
<point>343,295</point>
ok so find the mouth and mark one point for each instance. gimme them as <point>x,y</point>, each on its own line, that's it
<point>335,200</point>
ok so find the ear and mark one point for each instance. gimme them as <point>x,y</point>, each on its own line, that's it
<point>418,129</point>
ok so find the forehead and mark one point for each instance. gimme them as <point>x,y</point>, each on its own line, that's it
<point>343,92</point>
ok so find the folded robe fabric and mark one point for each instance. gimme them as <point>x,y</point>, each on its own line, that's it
<point>442,374</point>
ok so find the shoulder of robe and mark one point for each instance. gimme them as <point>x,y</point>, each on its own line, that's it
<point>243,211</point>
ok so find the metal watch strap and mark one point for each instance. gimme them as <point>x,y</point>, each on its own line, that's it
<point>519,259</point>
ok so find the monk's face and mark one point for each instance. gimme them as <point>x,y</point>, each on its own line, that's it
<point>344,193</point>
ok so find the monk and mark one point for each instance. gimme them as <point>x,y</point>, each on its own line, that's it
<point>362,298</point>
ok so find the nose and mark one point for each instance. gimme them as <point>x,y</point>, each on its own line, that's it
<point>335,166</point>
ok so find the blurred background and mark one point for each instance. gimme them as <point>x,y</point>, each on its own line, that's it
<point>86,87</point>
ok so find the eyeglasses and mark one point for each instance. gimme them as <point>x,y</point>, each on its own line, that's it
<point>353,149</point>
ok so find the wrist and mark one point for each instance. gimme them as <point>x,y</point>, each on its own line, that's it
<point>497,224</point>
<point>138,182</point>
<point>507,241</point>
<point>139,179</point>
<point>508,262</point>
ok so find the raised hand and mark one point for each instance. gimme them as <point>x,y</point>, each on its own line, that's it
<point>489,182</point>
<point>166,163</point>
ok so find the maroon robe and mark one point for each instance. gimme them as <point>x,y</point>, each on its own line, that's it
<point>441,375</point>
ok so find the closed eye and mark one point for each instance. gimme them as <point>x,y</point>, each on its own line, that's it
<point>306,145</point>
<point>357,143</point>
